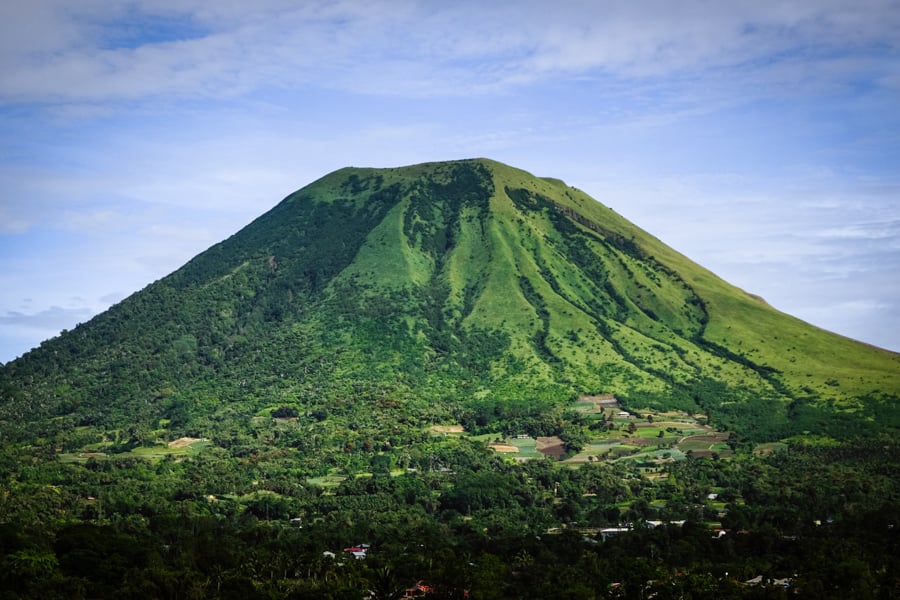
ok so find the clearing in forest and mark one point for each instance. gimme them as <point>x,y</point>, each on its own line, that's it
<point>183,442</point>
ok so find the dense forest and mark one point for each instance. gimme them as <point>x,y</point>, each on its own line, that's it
<point>810,521</point>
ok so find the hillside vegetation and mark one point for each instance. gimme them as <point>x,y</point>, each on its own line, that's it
<point>440,285</point>
<point>470,370</point>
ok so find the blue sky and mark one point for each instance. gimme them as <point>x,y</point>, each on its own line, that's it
<point>761,139</point>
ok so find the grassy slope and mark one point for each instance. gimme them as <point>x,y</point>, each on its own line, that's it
<point>806,356</point>
<point>625,320</point>
<point>483,272</point>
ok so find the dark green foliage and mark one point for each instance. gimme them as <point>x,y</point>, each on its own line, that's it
<point>285,412</point>
<point>463,520</point>
<point>482,490</point>
<point>435,206</point>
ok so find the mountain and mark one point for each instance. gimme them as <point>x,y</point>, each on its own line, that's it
<point>382,388</point>
<point>446,288</point>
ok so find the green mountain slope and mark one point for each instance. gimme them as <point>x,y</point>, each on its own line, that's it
<point>429,292</point>
<point>391,361</point>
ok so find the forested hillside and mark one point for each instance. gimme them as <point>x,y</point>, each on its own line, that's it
<point>441,284</point>
<point>463,371</point>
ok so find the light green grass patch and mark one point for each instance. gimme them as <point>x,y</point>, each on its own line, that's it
<point>693,445</point>
<point>666,453</point>
<point>527,447</point>
<point>326,481</point>
<point>769,447</point>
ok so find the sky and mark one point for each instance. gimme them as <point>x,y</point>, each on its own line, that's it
<point>760,138</point>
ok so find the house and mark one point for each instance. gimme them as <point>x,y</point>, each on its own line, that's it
<point>357,552</point>
<point>760,580</point>
<point>418,590</point>
<point>611,531</point>
<point>655,524</point>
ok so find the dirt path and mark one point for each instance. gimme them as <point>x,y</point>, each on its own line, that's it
<point>447,428</point>
<point>182,442</point>
<point>504,448</point>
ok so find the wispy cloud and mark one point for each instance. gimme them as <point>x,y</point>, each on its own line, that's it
<point>105,51</point>
<point>22,331</point>
<point>871,230</point>
<point>52,319</point>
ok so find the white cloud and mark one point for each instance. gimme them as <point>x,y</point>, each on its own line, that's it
<point>213,49</point>
<point>51,319</point>
<point>863,231</point>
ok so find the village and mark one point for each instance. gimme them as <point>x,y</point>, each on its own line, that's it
<point>651,439</point>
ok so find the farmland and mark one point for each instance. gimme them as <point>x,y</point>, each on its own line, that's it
<point>616,434</point>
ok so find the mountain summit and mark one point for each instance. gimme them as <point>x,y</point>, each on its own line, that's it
<point>443,288</point>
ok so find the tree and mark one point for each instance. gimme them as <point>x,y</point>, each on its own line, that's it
<point>28,565</point>
<point>285,412</point>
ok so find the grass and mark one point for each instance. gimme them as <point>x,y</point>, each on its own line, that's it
<point>151,453</point>
<point>331,480</point>
<point>526,446</point>
<point>663,335</point>
<point>768,448</point>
